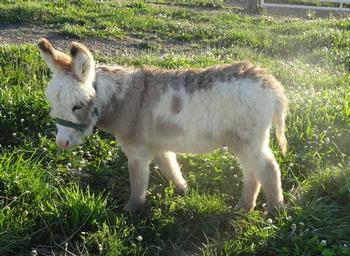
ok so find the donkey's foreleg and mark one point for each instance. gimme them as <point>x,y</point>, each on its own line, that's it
<point>170,169</point>
<point>139,175</point>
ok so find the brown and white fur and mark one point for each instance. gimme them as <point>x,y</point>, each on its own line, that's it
<point>155,113</point>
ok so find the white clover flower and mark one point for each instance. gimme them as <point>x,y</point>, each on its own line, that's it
<point>294,226</point>
<point>323,242</point>
<point>269,220</point>
<point>22,120</point>
<point>139,238</point>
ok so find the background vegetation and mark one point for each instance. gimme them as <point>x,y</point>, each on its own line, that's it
<point>56,202</point>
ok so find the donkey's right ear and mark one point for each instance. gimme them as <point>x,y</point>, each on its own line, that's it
<point>56,60</point>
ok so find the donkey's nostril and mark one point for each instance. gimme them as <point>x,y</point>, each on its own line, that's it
<point>67,143</point>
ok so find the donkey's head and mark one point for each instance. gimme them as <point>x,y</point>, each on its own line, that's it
<point>71,92</point>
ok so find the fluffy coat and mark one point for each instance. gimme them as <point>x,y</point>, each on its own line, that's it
<point>156,113</point>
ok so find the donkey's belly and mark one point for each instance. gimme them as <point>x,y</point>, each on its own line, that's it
<point>189,144</point>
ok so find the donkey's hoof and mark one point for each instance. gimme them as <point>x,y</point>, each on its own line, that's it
<point>134,207</point>
<point>274,209</point>
<point>244,207</point>
<point>181,190</point>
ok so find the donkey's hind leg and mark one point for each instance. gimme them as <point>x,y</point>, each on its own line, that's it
<point>166,161</point>
<point>269,175</point>
<point>260,166</point>
<point>251,188</point>
<point>251,183</point>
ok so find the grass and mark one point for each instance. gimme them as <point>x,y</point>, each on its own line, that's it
<point>56,202</point>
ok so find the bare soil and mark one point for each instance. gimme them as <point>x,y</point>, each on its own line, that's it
<point>19,34</point>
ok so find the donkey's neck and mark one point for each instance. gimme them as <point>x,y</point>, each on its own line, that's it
<point>111,82</point>
<point>112,86</point>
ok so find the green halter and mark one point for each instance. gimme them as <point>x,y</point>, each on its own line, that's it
<point>79,127</point>
<point>66,123</point>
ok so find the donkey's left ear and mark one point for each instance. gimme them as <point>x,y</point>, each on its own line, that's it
<point>83,63</point>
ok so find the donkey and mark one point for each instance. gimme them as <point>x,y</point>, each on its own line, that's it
<point>155,113</point>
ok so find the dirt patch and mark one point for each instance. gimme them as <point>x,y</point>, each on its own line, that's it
<point>18,34</point>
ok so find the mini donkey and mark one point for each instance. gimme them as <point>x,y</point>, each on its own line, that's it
<point>155,113</point>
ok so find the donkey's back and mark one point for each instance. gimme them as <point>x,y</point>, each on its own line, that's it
<point>198,110</point>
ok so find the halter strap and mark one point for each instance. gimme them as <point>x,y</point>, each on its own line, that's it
<point>66,123</point>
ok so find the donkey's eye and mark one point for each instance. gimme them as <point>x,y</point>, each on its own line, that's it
<point>76,107</point>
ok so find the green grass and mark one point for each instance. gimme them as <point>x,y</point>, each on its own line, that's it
<point>52,201</point>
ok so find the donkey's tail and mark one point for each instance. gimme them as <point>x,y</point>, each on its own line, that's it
<point>280,115</point>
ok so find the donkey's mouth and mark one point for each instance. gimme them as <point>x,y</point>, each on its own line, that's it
<point>68,144</point>
<point>64,144</point>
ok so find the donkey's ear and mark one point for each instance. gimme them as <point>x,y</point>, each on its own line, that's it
<point>55,59</point>
<point>83,63</point>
